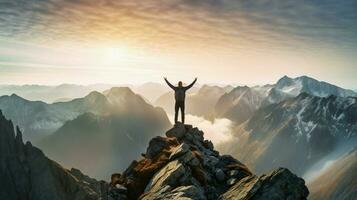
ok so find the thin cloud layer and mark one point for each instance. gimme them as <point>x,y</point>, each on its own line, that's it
<point>172,23</point>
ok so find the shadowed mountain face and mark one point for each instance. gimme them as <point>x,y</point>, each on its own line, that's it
<point>98,144</point>
<point>337,181</point>
<point>39,119</point>
<point>240,104</point>
<point>26,173</point>
<point>200,103</point>
<point>295,133</point>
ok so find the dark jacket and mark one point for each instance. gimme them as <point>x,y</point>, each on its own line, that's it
<point>180,92</point>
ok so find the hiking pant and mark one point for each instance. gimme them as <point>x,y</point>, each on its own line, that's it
<point>180,105</point>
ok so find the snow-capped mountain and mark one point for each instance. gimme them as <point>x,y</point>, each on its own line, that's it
<point>295,133</point>
<point>240,104</point>
<point>288,87</point>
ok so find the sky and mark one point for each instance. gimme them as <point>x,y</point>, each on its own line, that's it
<point>218,41</point>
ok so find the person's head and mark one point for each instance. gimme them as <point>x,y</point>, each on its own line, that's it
<point>180,83</point>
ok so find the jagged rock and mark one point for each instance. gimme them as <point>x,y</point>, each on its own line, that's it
<point>189,159</point>
<point>180,193</point>
<point>233,173</point>
<point>169,175</point>
<point>156,145</point>
<point>208,144</point>
<point>231,181</point>
<point>118,192</point>
<point>220,176</point>
<point>279,184</point>
<point>178,131</point>
<point>178,151</point>
<point>26,173</point>
<point>188,167</point>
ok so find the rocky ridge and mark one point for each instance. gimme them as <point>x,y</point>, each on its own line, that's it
<point>184,165</point>
<point>27,174</point>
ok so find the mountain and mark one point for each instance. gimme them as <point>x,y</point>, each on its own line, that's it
<point>338,181</point>
<point>240,104</point>
<point>151,91</point>
<point>51,94</point>
<point>101,144</point>
<point>288,87</point>
<point>39,119</point>
<point>200,103</point>
<point>26,173</point>
<point>295,133</point>
<point>184,165</point>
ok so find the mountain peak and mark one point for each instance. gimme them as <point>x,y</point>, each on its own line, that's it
<point>185,165</point>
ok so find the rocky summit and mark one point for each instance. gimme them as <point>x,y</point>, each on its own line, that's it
<point>184,165</point>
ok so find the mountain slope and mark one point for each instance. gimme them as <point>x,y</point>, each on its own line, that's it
<point>339,181</point>
<point>240,104</point>
<point>102,144</point>
<point>26,173</point>
<point>295,133</point>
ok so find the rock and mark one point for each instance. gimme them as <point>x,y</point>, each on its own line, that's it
<point>178,131</point>
<point>189,159</point>
<point>26,173</point>
<point>118,192</point>
<point>179,151</point>
<point>156,145</point>
<point>208,144</point>
<point>169,175</point>
<point>220,176</point>
<point>231,181</point>
<point>210,161</point>
<point>233,173</point>
<point>280,184</point>
<point>180,193</point>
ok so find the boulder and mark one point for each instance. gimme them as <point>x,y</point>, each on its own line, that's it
<point>157,144</point>
<point>280,184</point>
<point>220,176</point>
<point>178,131</point>
<point>169,175</point>
<point>179,151</point>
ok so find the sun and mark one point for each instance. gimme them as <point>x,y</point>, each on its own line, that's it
<point>115,54</point>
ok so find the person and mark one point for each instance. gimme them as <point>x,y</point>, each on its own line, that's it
<point>180,94</point>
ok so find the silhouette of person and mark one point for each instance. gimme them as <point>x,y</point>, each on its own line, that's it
<point>180,94</point>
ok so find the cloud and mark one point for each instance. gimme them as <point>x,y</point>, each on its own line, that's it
<point>218,131</point>
<point>172,23</point>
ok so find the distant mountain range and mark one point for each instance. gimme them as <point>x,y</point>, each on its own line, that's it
<point>116,125</point>
<point>240,104</point>
<point>295,133</point>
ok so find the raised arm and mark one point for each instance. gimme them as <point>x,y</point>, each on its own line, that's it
<point>168,83</point>
<point>189,86</point>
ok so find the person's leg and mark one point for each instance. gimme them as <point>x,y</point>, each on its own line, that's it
<point>176,111</point>
<point>183,112</point>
